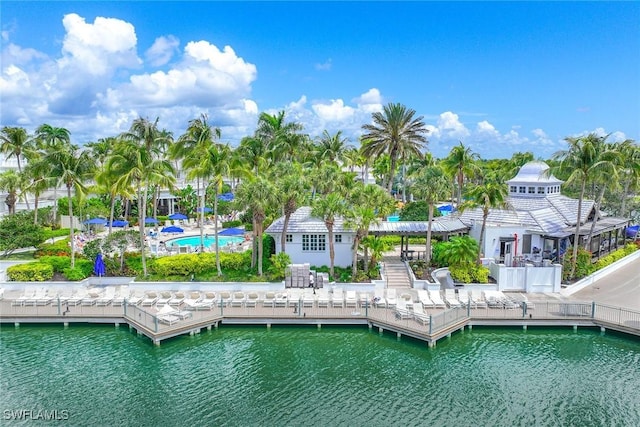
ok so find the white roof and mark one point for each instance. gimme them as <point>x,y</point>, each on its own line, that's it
<point>535,172</point>
<point>301,221</point>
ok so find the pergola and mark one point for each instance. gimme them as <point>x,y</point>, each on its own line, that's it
<point>442,226</point>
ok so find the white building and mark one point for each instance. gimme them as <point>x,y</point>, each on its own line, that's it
<point>542,222</point>
<point>307,239</point>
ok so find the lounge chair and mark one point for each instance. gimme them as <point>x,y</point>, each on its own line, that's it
<point>364,298</point>
<point>91,298</point>
<point>337,298</point>
<point>150,299</point>
<point>269,299</point>
<point>238,299</point>
<point>308,299</point>
<point>168,319</point>
<point>323,298</point>
<point>463,297</point>
<point>120,296</point>
<point>351,300</point>
<point>477,298</point>
<point>40,297</point>
<point>407,299</point>
<point>164,298</point>
<point>401,310</point>
<point>177,299</point>
<point>77,297</point>
<point>280,299</point>
<point>135,298</point>
<point>451,299</point>
<point>225,297</point>
<point>522,299</point>
<point>251,300</point>
<point>107,297</point>
<point>378,298</point>
<point>392,299</point>
<point>419,315</point>
<point>29,293</point>
<point>423,298</point>
<point>438,302</point>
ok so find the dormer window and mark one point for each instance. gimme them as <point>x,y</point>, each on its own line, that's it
<point>513,189</point>
<point>540,190</point>
<point>522,190</point>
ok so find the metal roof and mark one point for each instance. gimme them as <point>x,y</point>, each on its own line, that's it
<point>301,221</point>
<point>440,225</point>
<point>534,172</point>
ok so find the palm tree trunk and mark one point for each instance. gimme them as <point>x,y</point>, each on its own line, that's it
<point>35,209</point>
<point>283,238</point>
<point>460,182</point>
<point>485,215</point>
<point>332,252</point>
<point>142,208</point>
<point>260,248</point>
<point>215,229</point>
<point>112,209</point>
<point>625,193</point>
<point>201,215</point>
<point>354,265</point>
<point>392,168</point>
<point>71,236</point>
<point>254,252</point>
<point>596,216</point>
<point>576,237</point>
<point>427,255</point>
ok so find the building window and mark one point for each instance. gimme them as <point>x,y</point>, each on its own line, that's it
<point>522,190</point>
<point>513,189</point>
<point>532,190</point>
<point>288,238</point>
<point>313,242</point>
<point>338,238</point>
<point>540,190</point>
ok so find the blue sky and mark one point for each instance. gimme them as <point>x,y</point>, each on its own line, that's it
<point>499,76</point>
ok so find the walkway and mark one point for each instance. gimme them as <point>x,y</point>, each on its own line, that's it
<point>620,288</point>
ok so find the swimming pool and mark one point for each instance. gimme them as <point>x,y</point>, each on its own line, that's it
<point>209,241</point>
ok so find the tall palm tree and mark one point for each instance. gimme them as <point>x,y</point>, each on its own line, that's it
<point>431,185</point>
<point>332,147</point>
<point>253,152</point>
<point>72,167</point>
<point>581,161</point>
<point>50,139</point>
<point>137,160</point>
<point>328,208</point>
<point>15,142</point>
<point>291,191</point>
<point>283,139</point>
<point>39,180</point>
<point>396,132</point>
<point>630,171</point>
<point>460,163</point>
<point>256,195</point>
<point>489,195</point>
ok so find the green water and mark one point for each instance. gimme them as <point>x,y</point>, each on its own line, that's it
<point>243,376</point>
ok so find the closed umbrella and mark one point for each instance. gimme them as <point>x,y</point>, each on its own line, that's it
<point>177,216</point>
<point>98,266</point>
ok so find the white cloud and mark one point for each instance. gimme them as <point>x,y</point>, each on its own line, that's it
<point>370,101</point>
<point>324,66</point>
<point>334,111</point>
<point>450,126</point>
<point>162,50</point>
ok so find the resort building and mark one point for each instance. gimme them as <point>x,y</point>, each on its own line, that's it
<point>540,224</point>
<point>307,239</point>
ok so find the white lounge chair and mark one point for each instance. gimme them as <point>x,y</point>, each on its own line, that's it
<point>238,299</point>
<point>419,315</point>
<point>337,298</point>
<point>135,298</point>
<point>423,298</point>
<point>150,299</point>
<point>107,297</point>
<point>225,299</point>
<point>164,298</point>
<point>451,299</point>
<point>463,297</point>
<point>120,296</point>
<point>29,293</point>
<point>401,310</point>
<point>392,299</point>
<point>351,300</point>
<point>308,299</point>
<point>251,300</point>
<point>378,298</point>
<point>91,298</point>
<point>280,300</point>
<point>269,299</point>
<point>323,298</point>
<point>177,299</point>
<point>407,299</point>
<point>477,298</point>
<point>438,302</point>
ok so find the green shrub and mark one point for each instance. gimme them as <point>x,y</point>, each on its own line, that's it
<point>51,233</point>
<point>59,248</point>
<point>59,263</point>
<point>31,272</point>
<point>74,274</point>
<point>230,224</point>
<point>461,273</point>
<point>86,266</point>
<point>480,274</point>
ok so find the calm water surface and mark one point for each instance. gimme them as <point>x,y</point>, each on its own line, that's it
<point>239,376</point>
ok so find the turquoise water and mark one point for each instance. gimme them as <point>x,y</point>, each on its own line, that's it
<point>208,241</point>
<point>338,376</point>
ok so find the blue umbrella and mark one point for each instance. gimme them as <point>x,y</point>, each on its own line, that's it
<point>150,221</point>
<point>172,229</point>
<point>226,197</point>
<point>96,221</point>
<point>232,232</point>
<point>177,216</point>
<point>119,223</point>
<point>205,209</point>
<point>98,266</point>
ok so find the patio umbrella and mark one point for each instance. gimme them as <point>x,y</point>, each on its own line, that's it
<point>96,221</point>
<point>205,209</point>
<point>119,223</point>
<point>172,229</point>
<point>177,216</point>
<point>98,266</point>
<point>150,221</point>
<point>226,197</point>
<point>232,232</point>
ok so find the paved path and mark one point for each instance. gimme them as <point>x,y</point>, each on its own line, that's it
<point>620,288</point>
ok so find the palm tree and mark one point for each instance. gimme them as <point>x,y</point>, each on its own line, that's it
<point>256,195</point>
<point>581,161</point>
<point>15,142</point>
<point>431,185</point>
<point>396,132</point>
<point>630,171</point>
<point>39,180</point>
<point>136,159</point>
<point>291,187</point>
<point>332,147</point>
<point>460,251</point>
<point>253,152</point>
<point>328,208</point>
<point>50,139</point>
<point>487,196</point>
<point>72,168</point>
<point>283,140</point>
<point>460,163</point>
<point>11,182</point>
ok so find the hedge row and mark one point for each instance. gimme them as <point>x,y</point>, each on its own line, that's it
<point>187,264</point>
<point>45,267</point>
<point>31,272</point>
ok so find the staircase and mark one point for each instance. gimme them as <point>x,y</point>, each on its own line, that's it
<point>396,274</point>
